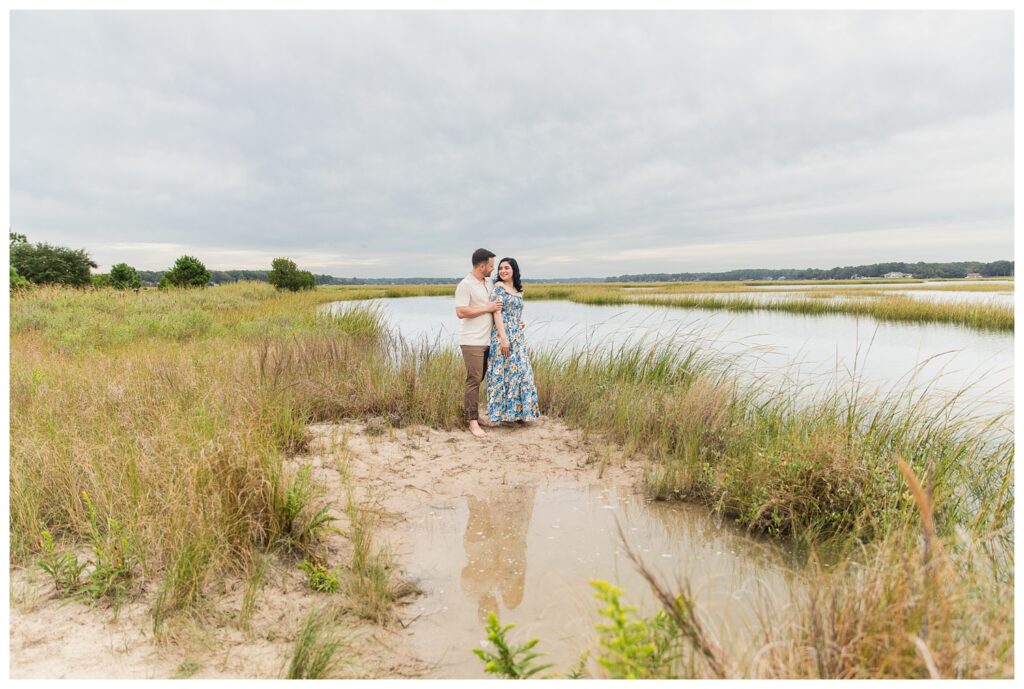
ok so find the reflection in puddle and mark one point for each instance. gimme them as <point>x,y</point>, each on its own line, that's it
<point>495,543</point>
<point>529,552</point>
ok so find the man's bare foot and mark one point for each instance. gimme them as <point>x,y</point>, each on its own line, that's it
<point>474,428</point>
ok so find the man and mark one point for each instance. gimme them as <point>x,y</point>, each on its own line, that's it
<point>474,307</point>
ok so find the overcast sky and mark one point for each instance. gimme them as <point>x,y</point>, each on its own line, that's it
<point>584,144</point>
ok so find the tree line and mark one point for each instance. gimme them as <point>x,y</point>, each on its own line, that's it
<point>959,269</point>
<point>46,264</point>
<point>43,263</point>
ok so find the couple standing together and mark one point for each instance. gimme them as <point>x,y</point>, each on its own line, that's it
<point>492,342</point>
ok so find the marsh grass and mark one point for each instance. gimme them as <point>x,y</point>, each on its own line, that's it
<point>159,432</point>
<point>315,650</point>
<point>178,435</point>
<point>254,581</point>
<point>370,583</point>
<point>882,305</point>
<point>178,442</point>
<point>890,308</point>
<point>913,604</point>
<point>809,469</point>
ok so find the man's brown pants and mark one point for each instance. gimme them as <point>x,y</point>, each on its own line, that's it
<point>475,357</point>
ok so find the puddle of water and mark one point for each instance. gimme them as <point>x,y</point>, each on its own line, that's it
<point>528,552</point>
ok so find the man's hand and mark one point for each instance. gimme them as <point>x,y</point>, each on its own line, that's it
<point>494,306</point>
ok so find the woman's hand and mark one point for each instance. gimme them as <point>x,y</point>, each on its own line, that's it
<point>504,347</point>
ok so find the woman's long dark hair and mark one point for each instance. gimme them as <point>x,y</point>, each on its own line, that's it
<point>517,280</point>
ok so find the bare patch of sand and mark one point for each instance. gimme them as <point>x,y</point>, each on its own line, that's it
<point>394,471</point>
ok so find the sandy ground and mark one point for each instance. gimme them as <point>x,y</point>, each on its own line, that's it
<point>392,472</point>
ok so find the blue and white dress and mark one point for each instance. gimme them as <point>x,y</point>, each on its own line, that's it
<point>511,392</point>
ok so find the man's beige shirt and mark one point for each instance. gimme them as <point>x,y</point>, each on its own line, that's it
<point>472,292</point>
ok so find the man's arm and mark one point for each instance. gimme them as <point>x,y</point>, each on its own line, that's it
<point>474,311</point>
<point>463,309</point>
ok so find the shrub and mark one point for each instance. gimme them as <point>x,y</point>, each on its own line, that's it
<point>17,281</point>
<point>123,276</point>
<point>188,271</point>
<point>101,280</point>
<point>285,274</point>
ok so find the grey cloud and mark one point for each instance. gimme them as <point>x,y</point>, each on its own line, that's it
<point>395,143</point>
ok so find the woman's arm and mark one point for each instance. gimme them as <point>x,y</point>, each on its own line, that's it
<point>503,345</point>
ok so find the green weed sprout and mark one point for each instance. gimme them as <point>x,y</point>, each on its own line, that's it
<point>509,663</point>
<point>63,567</point>
<point>319,577</point>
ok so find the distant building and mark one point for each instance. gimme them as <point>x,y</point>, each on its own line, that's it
<point>972,276</point>
<point>896,275</point>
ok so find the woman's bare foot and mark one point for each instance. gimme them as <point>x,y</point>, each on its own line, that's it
<point>474,428</point>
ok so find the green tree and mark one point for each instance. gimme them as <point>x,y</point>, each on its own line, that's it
<point>45,264</point>
<point>101,280</point>
<point>188,271</point>
<point>284,274</point>
<point>123,276</point>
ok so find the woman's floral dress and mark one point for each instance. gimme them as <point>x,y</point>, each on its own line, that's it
<point>511,392</point>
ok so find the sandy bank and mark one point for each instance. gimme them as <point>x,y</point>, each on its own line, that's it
<point>393,472</point>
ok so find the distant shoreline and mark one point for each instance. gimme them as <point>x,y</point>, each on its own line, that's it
<point>890,272</point>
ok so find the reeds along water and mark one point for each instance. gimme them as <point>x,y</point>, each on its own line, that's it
<point>175,411</point>
<point>890,307</point>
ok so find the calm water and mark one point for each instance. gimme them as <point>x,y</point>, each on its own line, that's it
<point>529,551</point>
<point>780,350</point>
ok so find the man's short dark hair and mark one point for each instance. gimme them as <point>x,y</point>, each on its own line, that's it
<point>481,256</point>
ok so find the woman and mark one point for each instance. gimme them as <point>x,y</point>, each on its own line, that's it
<point>511,392</point>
